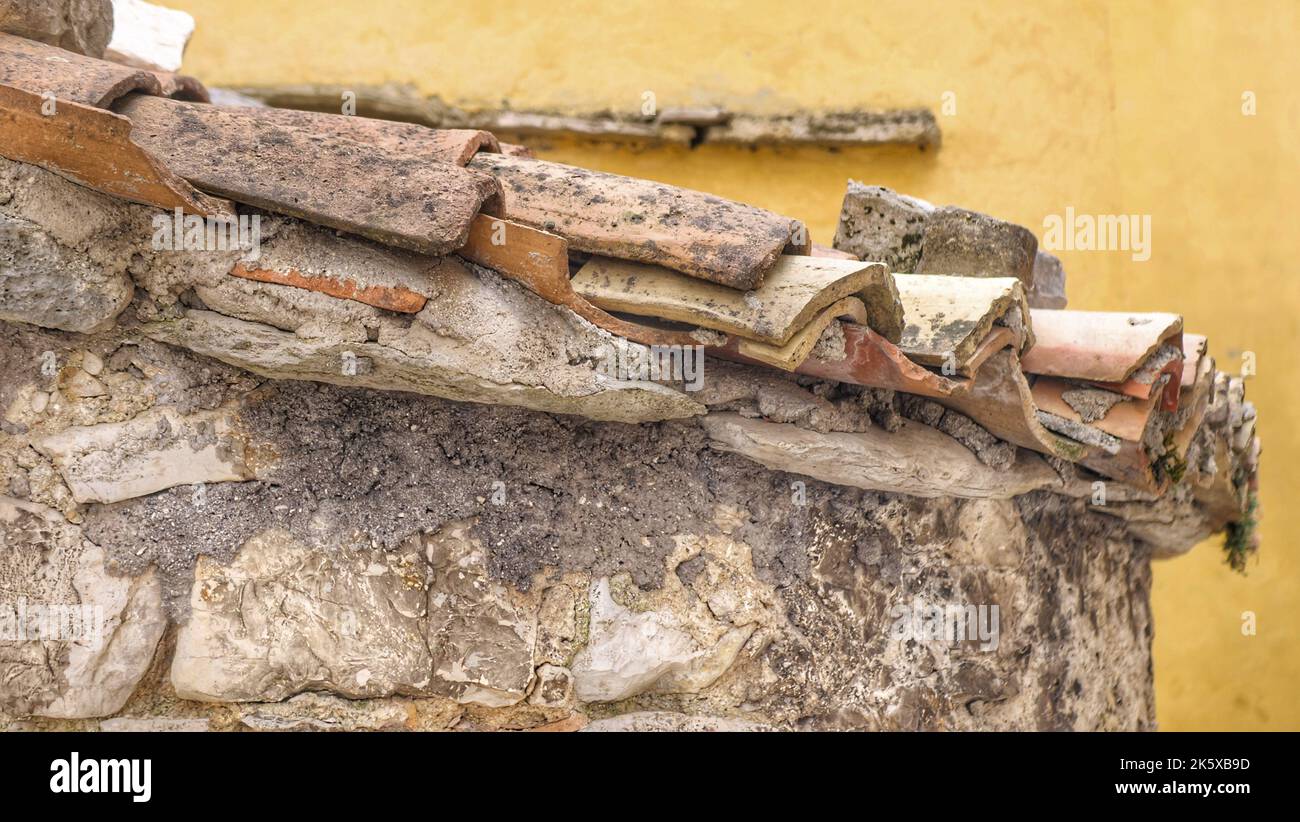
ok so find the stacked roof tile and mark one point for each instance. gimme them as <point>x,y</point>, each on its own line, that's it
<point>944,305</point>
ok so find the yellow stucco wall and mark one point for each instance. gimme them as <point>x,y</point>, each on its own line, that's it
<point>1109,107</point>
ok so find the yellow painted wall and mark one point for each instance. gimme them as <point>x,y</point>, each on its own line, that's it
<point>1109,107</point>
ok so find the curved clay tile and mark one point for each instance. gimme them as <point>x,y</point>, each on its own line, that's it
<point>688,231</point>
<point>1100,346</point>
<point>540,262</point>
<point>443,145</point>
<point>795,351</point>
<point>871,360</point>
<point>40,68</point>
<point>947,319</point>
<point>182,87</point>
<point>1000,400</point>
<point>795,290</point>
<point>348,185</point>
<point>95,148</point>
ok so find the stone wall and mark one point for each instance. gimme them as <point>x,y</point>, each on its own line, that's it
<point>385,559</point>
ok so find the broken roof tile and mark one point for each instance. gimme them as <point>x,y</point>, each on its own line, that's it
<point>794,352</point>
<point>1099,346</point>
<point>1000,400</point>
<point>1122,417</point>
<point>1162,371</point>
<point>795,290</point>
<point>946,319</point>
<point>1194,350</point>
<point>871,360</point>
<point>697,234</point>
<point>540,262</point>
<point>684,256</point>
<point>95,148</point>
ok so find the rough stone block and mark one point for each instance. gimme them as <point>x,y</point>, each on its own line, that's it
<point>45,283</point>
<point>970,244</point>
<point>880,225</point>
<point>1049,282</point>
<point>75,639</point>
<point>83,26</point>
<point>158,449</point>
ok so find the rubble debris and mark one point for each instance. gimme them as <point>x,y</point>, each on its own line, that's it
<point>628,653</point>
<point>1092,404</point>
<point>991,451</point>
<point>90,668</point>
<point>1078,431</point>
<point>44,282</point>
<point>158,449</point>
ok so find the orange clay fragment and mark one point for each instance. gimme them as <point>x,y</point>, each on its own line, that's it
<point>389,298</point>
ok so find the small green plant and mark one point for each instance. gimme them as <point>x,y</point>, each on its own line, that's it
<point>1238,542</point>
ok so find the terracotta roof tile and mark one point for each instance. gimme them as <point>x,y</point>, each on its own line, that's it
<point>95,148</point>
<point>39,68</point>
<point>1101,346</point>
<point>540,262</point>
<point>688,231</point>
<point>1113,395</point>
<point>871,360</point>
<point>1001,400</point>
<point>794,291</point>
<point>453,145</point>
<point>946,319</point>
<point>794,352</point>
<point>235,152</point>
